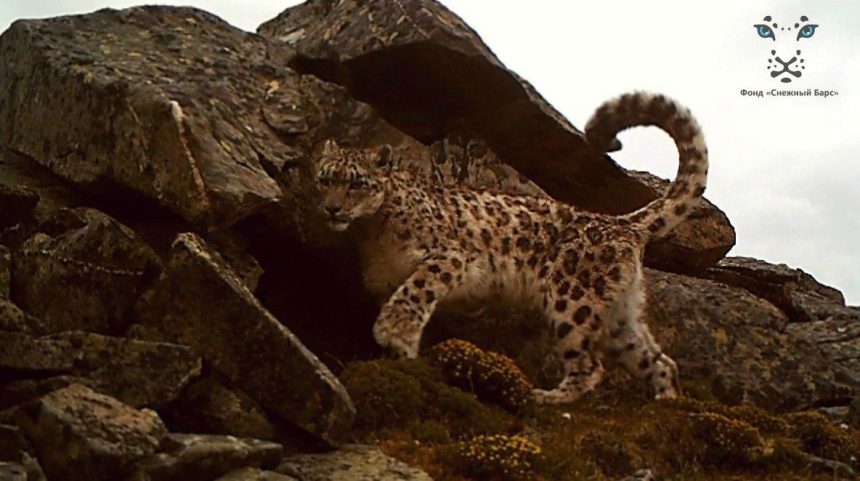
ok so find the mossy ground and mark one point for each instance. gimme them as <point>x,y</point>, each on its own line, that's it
<point>412,414</point>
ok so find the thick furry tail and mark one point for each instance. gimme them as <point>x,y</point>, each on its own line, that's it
<point>639,108</point>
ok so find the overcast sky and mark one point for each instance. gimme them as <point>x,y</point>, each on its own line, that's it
<point>784,169</point>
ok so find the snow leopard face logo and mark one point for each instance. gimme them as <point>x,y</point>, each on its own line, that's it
<point>785,61</point>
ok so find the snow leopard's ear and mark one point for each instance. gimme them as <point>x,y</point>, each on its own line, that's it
<point>384,158</point>
<point>330,147</point>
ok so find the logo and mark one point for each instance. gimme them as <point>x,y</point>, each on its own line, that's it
<point>786,61</point>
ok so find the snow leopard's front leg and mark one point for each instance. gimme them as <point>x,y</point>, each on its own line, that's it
<point>402,319</point>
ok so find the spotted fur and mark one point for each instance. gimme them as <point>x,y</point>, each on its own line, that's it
<point>424,245</point>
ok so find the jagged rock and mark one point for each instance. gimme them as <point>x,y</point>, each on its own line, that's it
<point>737,344</point>
<point>200,302</point>
<point>795,292</point>
<point>208,406</point>
<point>700,242</point>
<point>79,434</point>
<point>17,203</point>
<point>82,272</point>
<point>195,457</point>
<point>137,373</point>
<point>406,58</point>
<point>353,462</point>
<point>253,474</point>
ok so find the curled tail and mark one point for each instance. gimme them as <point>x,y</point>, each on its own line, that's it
<point>639,108</point>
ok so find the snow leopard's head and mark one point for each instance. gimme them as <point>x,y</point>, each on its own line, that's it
<point>785,61</point>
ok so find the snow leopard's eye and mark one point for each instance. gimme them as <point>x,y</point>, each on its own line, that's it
<point>806,31</point>
<point>324,182</point>
<point>764,31</point>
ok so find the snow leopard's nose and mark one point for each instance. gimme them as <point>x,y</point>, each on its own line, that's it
<point>332,209</point>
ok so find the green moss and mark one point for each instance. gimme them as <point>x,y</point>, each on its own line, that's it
<point>494,377</point>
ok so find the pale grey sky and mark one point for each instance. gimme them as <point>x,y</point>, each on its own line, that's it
<point>785,169</point>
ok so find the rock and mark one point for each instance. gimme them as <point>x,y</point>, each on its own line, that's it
<point>12,318</point>
<point>350,463</point>
<point>17,203</point>
<point>737,345</point>
<point>24,391</point>
<point>24,353</point>
<point>795,292</point>
<point>12,472</point>
<point>194,457</point>
<point>82,272</point>
<point>12,443</point>
<point>405,58</point>
<point>839,340</point>
<point>700,242</point>
<point>200,302</point>
<point>641,475</point>
<point>253,474</point>
<point>81,435</point>
<point>138,373</point>
<point>208,406</point>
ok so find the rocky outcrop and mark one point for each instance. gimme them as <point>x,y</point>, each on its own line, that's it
<point>406,58</point>
<point>200,302</point>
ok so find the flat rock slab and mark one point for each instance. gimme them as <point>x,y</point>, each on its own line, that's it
<point>354,462</point>
<point>839,339</point>
<point>198,457</point>
<point>82,271</point>
<point>406,58</point>
<point>79,434</point>
<point>138,373</point>
<point>737,343</point>
<point>200,302</point>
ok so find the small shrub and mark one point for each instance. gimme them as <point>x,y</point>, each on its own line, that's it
<point>496,456</point>
<point>725,441</point>
<point>492,376</point>
<point>821,437</point>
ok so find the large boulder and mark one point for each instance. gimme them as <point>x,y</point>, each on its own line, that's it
<point>80,435</point>
<point>127,103</point>
<point>406,58</point>
<point>138,373</point>
<point>199,301</point>
<point>82,271</point>
<point>736,345</point>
